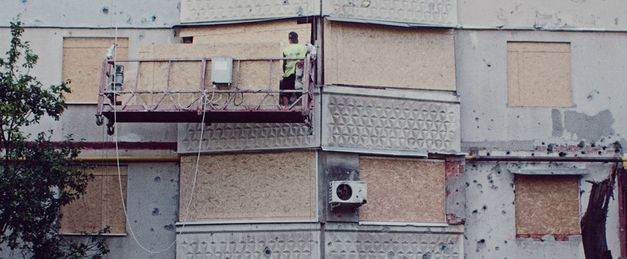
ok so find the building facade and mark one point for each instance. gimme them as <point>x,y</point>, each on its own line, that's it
<point>476,126</point>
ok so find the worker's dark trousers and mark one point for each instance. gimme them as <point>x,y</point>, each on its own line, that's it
<point>288,84</point>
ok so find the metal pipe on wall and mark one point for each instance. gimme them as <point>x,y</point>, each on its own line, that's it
<point>547,159</point>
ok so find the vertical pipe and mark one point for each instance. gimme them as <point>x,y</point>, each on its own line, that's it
<point>103,83</point>
<point>201,86</point>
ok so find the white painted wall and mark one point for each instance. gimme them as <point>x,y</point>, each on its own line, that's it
<point>595,14</point>
<point>92,14</point>
<point>79,120</point>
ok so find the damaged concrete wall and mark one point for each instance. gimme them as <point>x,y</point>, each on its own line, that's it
<point>92,14</point>
<point>596,83</point>
<point>493,127</point>
<point>596,14</point>
<point>198,11</point>
<point>387,56</point>
<point>152,204</point>
<point>152,219</point>
<point>79,120</point>
<point>432,12</point>
<point>492,215</point>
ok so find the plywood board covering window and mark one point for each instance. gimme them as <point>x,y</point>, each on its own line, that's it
<point>100,206</point>
<point>247,75</point>
<point>388,56</point>
<point>259,32</point>
<point>547,205</point>
<point>403,190</point>
<point>249,186</point>
<point>82,63</point>
<point>539,74</point>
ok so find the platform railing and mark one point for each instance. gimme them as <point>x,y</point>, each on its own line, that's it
<point>157,93</point>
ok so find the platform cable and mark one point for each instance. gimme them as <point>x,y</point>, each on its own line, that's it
<point>117,152</point>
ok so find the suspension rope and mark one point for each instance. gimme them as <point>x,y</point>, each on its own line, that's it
<point>117,150</point>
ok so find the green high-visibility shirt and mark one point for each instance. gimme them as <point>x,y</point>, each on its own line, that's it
<point>294,50</point>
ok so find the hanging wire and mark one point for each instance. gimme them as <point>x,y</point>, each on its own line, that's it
<point>117,152</point>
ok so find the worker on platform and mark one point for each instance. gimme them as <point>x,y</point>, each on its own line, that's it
<point>294,50</point>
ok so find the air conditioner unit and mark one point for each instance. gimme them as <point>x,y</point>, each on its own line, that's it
<point>348,194</point>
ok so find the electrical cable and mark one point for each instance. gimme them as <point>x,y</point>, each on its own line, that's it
<point>117,153</point>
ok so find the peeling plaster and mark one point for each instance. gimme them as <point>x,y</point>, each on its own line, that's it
<point>590,128</point>
<point>558,126</point>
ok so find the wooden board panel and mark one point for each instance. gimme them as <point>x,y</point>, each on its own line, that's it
<point>82,63</point>
<point>247,75</point>
<point>260,32</point>
<point>112,210</point>
<point>403,190</point>
<point>100,206</point>
<point>245,186</point>
<point>547,205</point>
<point>539,74</point>
<point>371,55</point>
<point>84,214</point>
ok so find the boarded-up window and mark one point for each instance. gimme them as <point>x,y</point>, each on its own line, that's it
<point>539,74</point>
<point>249,186</point>
<point>82,63</point>
<point>403,190</point>
<point>100,206</point>
<point>389,56</point>
<point>547,205</point>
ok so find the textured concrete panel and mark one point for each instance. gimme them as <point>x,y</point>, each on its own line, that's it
<point>386,56</point>
<point>300,240</point>
<point>600,14</point>
<point>219,137</point>
<point>538,74</point>
<point>244,136</point>
<point>249,186</point>
<point>95,14</point>
<point>440,12</point>
<point>389,125</point>
<point>249,241</point>
<point>403,190</point>
<point>232,10</point>
<point>374,244</point>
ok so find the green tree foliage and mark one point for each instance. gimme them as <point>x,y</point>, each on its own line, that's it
<point>37,176</point>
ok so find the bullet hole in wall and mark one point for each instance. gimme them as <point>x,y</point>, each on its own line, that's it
<point>480,245</point>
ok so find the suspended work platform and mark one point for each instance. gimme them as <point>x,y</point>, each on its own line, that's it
<point>209,90</point>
